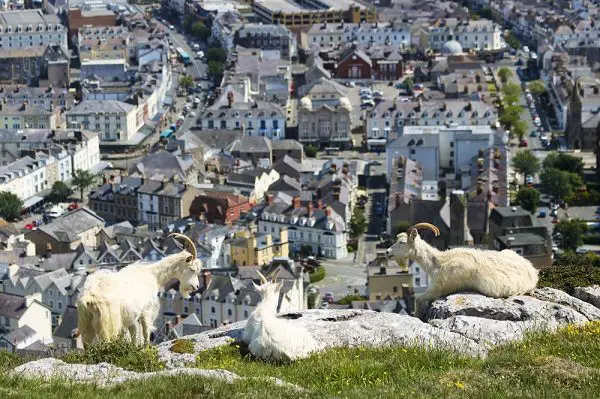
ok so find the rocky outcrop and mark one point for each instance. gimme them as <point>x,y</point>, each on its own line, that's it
<point>467,323</point>
<point>105,374</point>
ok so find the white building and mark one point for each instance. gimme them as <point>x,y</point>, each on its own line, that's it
<point>439,148</point>
<point>26,177</point>
<point>478,35</point>
<point>260,118</point>
<point>17,312</point>
<point>31,28</point>
<point>224,26</point>
<point>113,120</point>
<point>321,230</point>
<point>365,34</point>
<point>388,118</point>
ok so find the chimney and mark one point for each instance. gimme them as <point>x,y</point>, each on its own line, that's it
<point>270,199</point>
<point>328,211</point>
<point>310,208</point>
<point>168,327</point>
<point>230,98</point>
<point>382,270</point>
<point>336,195</point>
<point>58,320</point>
<point>177,319</point>
<point>206,278</point>
<point>296,202</point>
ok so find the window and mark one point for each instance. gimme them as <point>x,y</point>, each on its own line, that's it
<point>418,281</point>
<point>229,312</point>
<point>395,289</point>
<point>59,305</point>
<point>416,269</point>
<point>212,309</point>
<point>50,293</point>
<point>185,309</point>
<point>245,314</point>
<point>263,124</point>
<point>7,320</point>
<point>52,304</point>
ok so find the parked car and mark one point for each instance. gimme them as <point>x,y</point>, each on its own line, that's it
<point>30,226</point>
<point>73,206</point>
<point>542,214</point>
<point>350,84</point>
<point>523,143</point>
<point>533,134</point>
<point>55,212</point>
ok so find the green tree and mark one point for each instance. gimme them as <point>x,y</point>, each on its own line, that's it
<point>510,115</point>
<point>83,179</point>
<point>512,41</point>
<point>526,163</point>
<point>409,84</point>
<point>186,81</point>
<point>201,31</point>
<point>519,128</point>
<point>537,87</point>
<point>559,183</point>
<point>486,13</point>
<point>188,22</point>
<point>564,162</point>
<point>504,73</point>
<point>215,68</point>
<point>216,54</point>
<point>570,271</point>
<point>10,205</point>
<point>528,199</point>
<point>511,93</point>
<point>571,232</point>
<point>310,151</point>
<point>358,222</point>
<point>59,192</point>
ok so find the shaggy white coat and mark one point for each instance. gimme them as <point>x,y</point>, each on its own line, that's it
<point>497,274</point>
<point>272,339</point>
<point>126,301</point>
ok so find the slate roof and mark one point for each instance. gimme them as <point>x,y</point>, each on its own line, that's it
<point>162,164</point>
<point>19,335</point>
<point>67,228</point>
<point>252,144</point>
<point>12,306</point>
<point>67,324</point>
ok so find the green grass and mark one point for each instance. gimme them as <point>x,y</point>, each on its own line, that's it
<point>183,346</point>
<point>560,365</point>
<point>317,275</point>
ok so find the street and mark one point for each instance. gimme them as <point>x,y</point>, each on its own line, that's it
<point>342,277</point>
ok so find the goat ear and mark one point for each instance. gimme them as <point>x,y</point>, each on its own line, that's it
<point>189,259</point>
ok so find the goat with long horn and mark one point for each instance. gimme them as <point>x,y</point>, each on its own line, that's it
<point>498,274</point>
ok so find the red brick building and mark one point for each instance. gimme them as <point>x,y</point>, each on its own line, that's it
<point>220,207</point>
<point>354,64</point>
<point>78,18</point>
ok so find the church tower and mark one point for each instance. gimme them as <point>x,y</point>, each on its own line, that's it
<point>574,128</point>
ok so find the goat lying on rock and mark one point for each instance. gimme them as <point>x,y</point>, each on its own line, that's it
<point>126,301</point>
<point>498,274</point>
<point>271,338</point>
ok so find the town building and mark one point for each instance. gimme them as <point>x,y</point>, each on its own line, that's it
<point>113,120</point>
<point>65,233</point>
<point>78,18</point>
<point>40,65</point>
<point>220,207</point>
<point>22,314</point>
<point>583,116</point>
<point>28,116</point>
<point>324,115</point>
<point>116,201</point>
<point>517,229</point>
<point>479,35</point>
<point>376,62</point>
<point>160,202</point>
<point>305,13</point>
<point>260,118</point>
<point>253,183</point>
<point>388,118</point>
<point>31,28</point>
<point>330,35</point>
<point>311,229</point>
<point>387,280</point>
<point>267,37</point>
<point>260,249</point>
<point>440,148</point>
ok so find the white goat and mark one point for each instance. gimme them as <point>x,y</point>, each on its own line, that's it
<point>126,301</point>
<point>273,339</point>
<point>498,274</point>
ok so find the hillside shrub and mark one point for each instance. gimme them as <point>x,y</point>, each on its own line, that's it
<point>570,271</point>
<point>183,346</point>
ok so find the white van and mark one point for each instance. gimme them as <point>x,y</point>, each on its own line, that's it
<point>196,46</point>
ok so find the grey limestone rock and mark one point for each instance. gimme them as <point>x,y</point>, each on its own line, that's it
<point>588,294</point>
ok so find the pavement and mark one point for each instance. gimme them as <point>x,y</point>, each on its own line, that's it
<point>342,277</point>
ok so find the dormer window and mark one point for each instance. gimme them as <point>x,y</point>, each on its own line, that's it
<point>294,219</point>
<point>49,27</point>
<point>329,225</point>
<point>303,221</point>
<point>19,28</point>
<point>424,115</point>
<point>449,114</point>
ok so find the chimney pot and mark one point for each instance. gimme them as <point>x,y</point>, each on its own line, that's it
<point>296,202</point>
<point>270,199</point>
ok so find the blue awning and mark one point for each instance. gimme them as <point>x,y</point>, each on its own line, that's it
<point>166,134</point>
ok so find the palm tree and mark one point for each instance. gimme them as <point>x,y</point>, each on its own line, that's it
<point>83,179</point>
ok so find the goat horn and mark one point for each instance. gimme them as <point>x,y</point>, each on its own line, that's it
<point>187,241</point>
<point>263,279</point>
<point>429,226</point>
<point>274,278</point>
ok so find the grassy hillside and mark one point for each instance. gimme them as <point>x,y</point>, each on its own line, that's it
<point>565,364</point>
